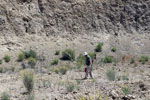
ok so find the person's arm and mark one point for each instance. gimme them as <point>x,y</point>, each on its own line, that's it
<point>91,61</point>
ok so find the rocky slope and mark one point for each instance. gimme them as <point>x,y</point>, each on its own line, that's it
<point>20,19</point>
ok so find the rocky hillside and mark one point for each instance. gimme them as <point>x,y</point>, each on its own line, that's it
<point>21,18</point>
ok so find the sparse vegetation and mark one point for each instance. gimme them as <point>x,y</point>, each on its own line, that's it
<point>7,58</point>
<point>70,86</point>
<point>57,52</point>
<point>1,62</point>
<point>92,55</point>
<point>144,59</point>
<point>28,80</point>
<point>12,69</point>
<point>111,74</point>
<point>126,90</point>
<point>1,69</point>
<point>113,49</point>
<point>31,96</point>
<point>108,59</point>
<point>99,47</point>
<point>32,62</point>
<point>81,60</point>
<point>132,61</point>
<point>63,70</point>
<point>124,77</point>
<point>68,54</point>
<point>21,57</point>
<point>5,96</point>
<point>55,62</point>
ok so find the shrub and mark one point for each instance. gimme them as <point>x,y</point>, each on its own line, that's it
<point>68,54</point>
<point>132,61</point>
<point>30,53</point>
<point>57,52</point>
<point>108,59</point>
<point>7,58</point>
<point>113,49</point>
<point>81,60</point>
<point>28,80</point>
<point>32,62</point>
<point>55,62</point>
<point>144,59</point>
<point>1,61</point>
<point>99,47</point>
<point>70,87</point>
<point>21,57</point>
<point>12,69</point>
<point>1,69</point>
<point>63,70</point>
<point>56,70</point>
<point>111,74</point>
<point>126,90</point>
<point>5,96</point>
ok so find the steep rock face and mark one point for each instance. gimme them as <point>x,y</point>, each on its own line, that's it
<point>19,18</point>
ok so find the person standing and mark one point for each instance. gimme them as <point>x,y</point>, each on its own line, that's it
<point>88,69</point>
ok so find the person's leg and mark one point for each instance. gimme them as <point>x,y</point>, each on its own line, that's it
<point>87,72</point>
<point>90,72</point>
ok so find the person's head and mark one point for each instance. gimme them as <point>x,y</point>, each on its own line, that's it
<point>85,54</point>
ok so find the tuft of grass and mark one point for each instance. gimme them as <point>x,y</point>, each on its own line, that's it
<point>63,70</point>
<point>113,49</point>
<point>144,59</point>
<point>132,61</point>
<point>31,96</point>
<point>28,80</point>
<point>108,59</point>
<point>32,62</point>
<point>1,62</point>
<point>68,54</point>
<point>70,87</point>
<point>99,47</point>
<point>126,90</point>
<point>81,59</point>
<point>111,75</point>
<point>124,77</point>
<point>21,57</point>
<point>5,96</point>
<point>92,55</point>
<point>55,62</point>
<point>57,52</point>
<point>1,69</point>
<point>13,69</point>
<point>7,58</point>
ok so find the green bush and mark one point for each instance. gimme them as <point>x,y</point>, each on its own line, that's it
<point>99,47</point>
<point>126,90</point>
<point>63,70</point>
<point>28,80</point>
<point>113,49</point>
<point>111,75</point>
<point>144,59</point>
<point>7,58</point>
<point>132,61</point>
<point>32,62</point>
<point>30,53</point>
<point>70,87</point>
<point>5,96</point>
<point>21,57</point>
<point>68,54</point>
<point>56,70</point>
<point>55,62</point>
<point>108,59</point>
<point>57,52</point>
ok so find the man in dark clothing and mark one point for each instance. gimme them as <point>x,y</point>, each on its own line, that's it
<point>88,69</point>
